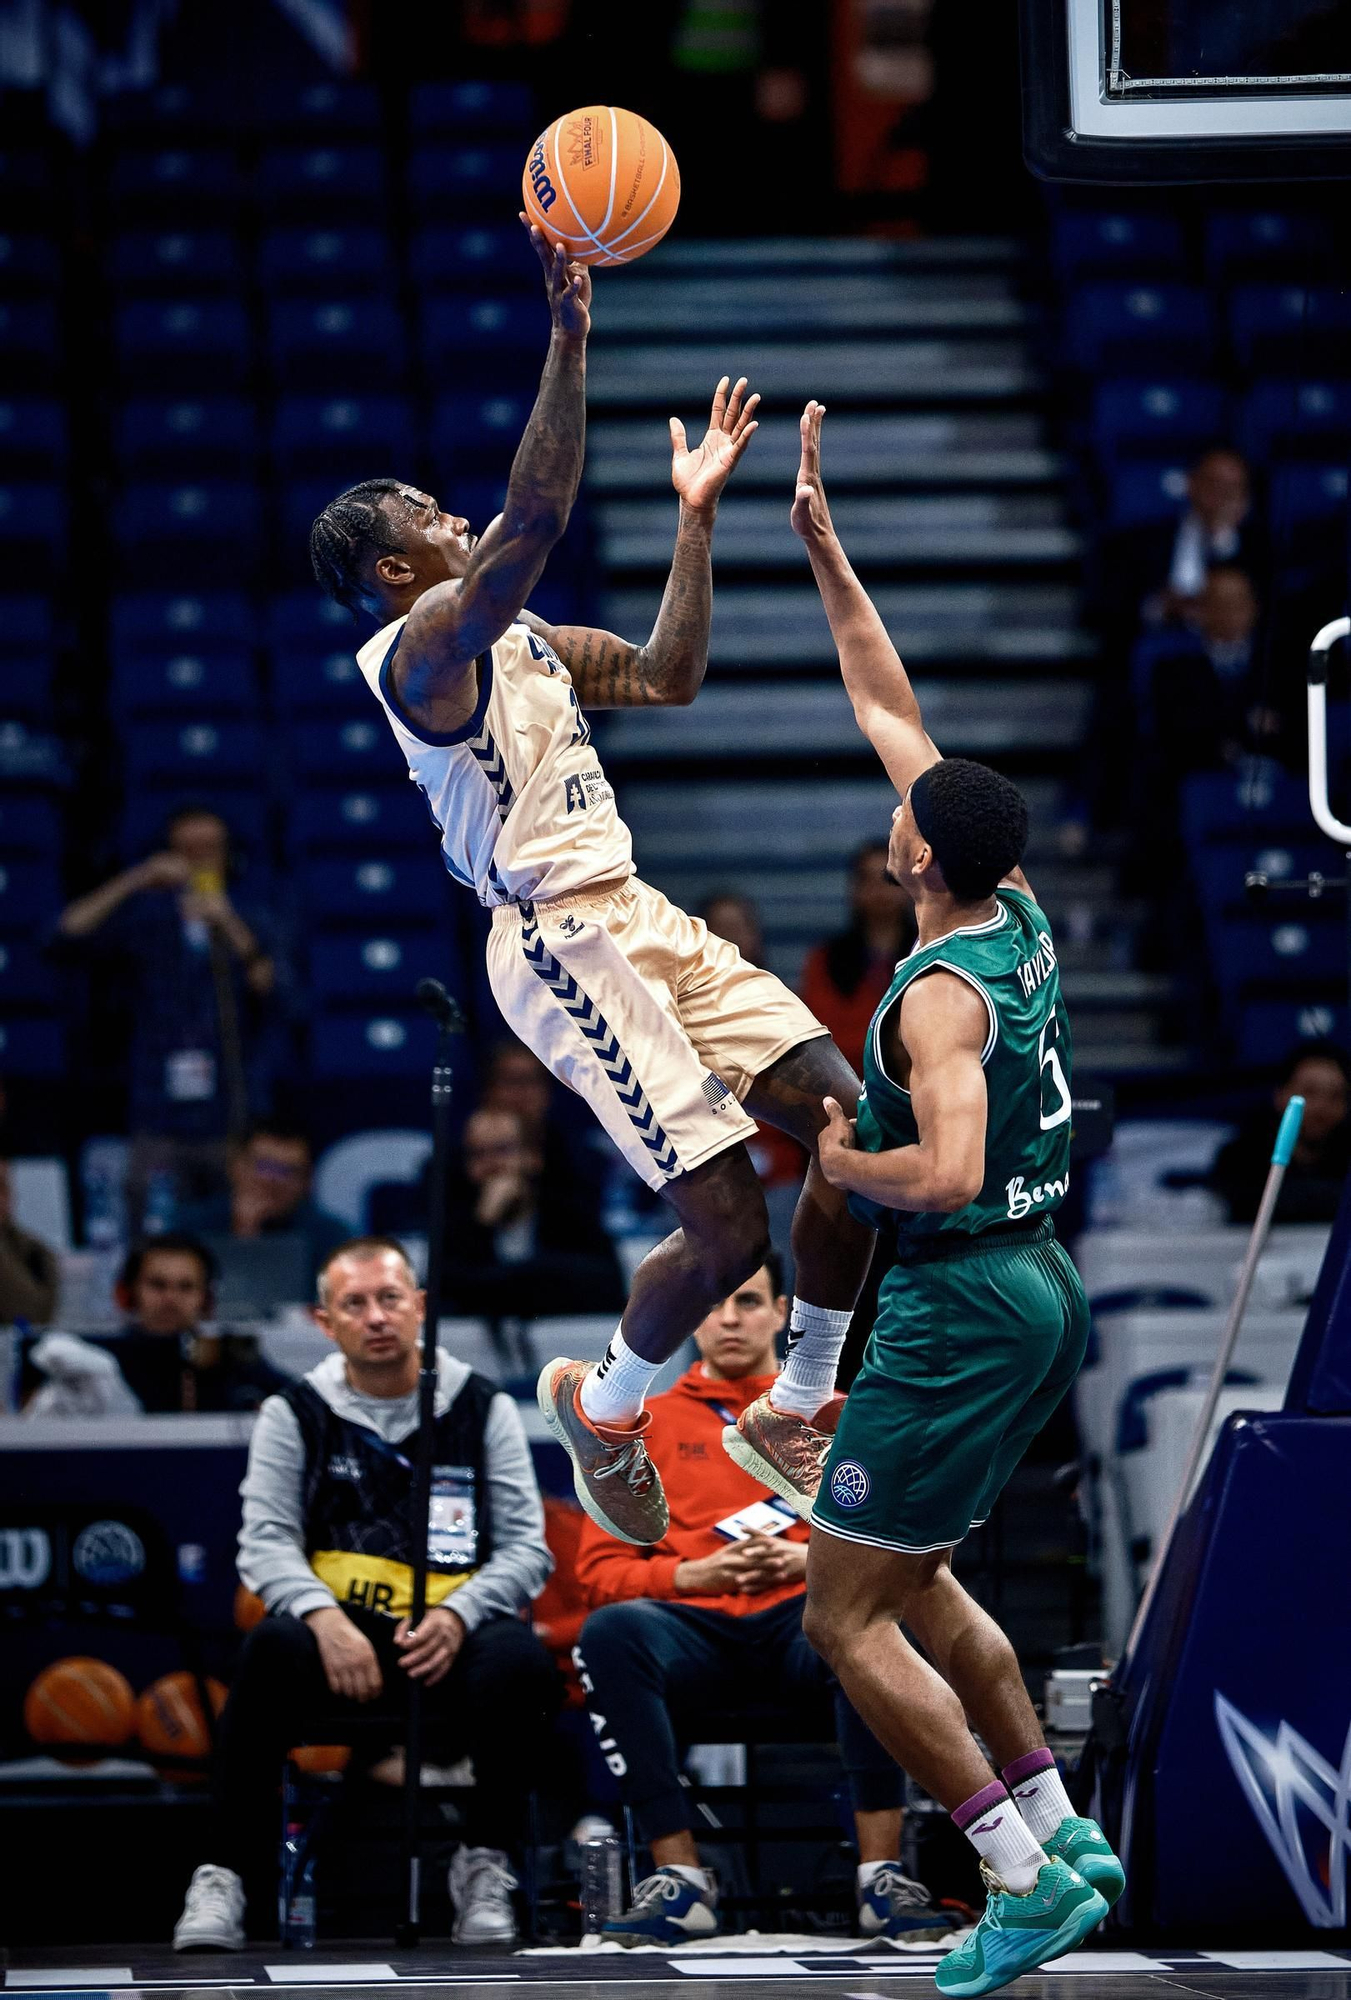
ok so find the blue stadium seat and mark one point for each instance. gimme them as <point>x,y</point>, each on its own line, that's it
<point>166,342</point>
<point>156,260</point>
<point>1220,866</point>
<point>320,431</point>
<point>188,684</point>
<point>32,523</point>
<point>198,753</point>
<point>26,979</point>
<point>28,262</point>
<point>341,184</point>
<point>29,823</point>
<point>1296,949</point>
<point>1145,418</point>
<point>186,436</point>
<point>30,891</point>
<point>307,680</point>
<point>27,184</point>
<point>470,178</point>
<point>450,109</point>
<point>1290,329</point>
<point>479,423</point>
<point>1146,492</point>
<point>455,326</point>
<point>1290,417</point>
<point>1261,800</point>
<point>374,818</point>
<point>479,258</point>
<point>307,621</point>
<point>382,967</point>
<point>1263,243</point>
<point>1116,243</point>
<point>326,260</point>
<point>177,112</point>
<point>357,750</point>
<point>33,439</point>
<point>219,517</point>
<point>1268,1029</point>
<point>30,341</point>
<point>1303,495</point>
<point>27,684</point>
<point>32,1045</point>
<point>182,621</point>
<point>1118,328</point>
<point>313,342</point>
<point>174,181</point>
<point>366,889</point>
<point>370,1043</point>
<point>313,110</point>
<point>147,811</point>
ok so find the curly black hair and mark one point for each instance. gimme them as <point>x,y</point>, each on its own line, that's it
<point>354,526</point>
<point>975,821</point>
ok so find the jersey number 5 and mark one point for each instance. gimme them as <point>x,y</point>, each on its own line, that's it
<point>1048,1062</point>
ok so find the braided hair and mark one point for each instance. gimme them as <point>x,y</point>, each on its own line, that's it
<point>351,528</point>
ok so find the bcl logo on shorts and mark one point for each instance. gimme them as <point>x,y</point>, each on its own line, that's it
<point>849,1484</point>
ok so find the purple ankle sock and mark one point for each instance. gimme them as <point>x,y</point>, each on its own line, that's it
<point>979,1802</point>
<point>1025,1767</point>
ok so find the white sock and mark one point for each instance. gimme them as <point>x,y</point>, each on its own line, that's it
<point>1000,1835</point>
<point>702,1878</point>
<point>1038,1793</point>
<point>867,1870</point>
<point>815,1341</point>
<point>613,1392</point>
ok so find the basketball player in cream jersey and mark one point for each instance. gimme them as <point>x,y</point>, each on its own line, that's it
<point>675,1042</point>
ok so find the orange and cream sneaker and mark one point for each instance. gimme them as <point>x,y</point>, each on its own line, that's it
<point>612,1475</point>
<point>782,1451</point>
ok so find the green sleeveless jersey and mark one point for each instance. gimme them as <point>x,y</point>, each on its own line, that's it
<point>1011,963</point>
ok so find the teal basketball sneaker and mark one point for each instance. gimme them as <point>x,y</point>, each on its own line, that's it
<point>1018,1933</point>
<point>1083,1844</point>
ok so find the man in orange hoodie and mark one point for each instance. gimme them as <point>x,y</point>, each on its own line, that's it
<point>711,1616</point>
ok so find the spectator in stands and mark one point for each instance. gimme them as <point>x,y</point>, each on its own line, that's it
<point>844,979</point>
<point>710,1619</point>
<point>1320,1073</point>
<point>326,1543</point>
<point>30,1276</point>
<point>518,1081</point>
<point>518,1242</point>
<point>1207,704</point>
<point>270,1194</point>
<point>202,978</point>
<point>1158,571</point>
<point>736,918</point>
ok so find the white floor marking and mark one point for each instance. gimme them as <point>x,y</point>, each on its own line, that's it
<point>1279,1961</point>
<point>328,1975</point>
<point>71,1976</point>
<point>1103,1961</point>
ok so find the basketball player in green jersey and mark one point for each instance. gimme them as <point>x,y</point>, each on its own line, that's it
<point>961,1148</point>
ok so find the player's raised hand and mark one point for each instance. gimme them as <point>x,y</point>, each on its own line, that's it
<point>834,1140</point>
<point>568,285</point>
<point>700,475</point>
<point>810,516</point>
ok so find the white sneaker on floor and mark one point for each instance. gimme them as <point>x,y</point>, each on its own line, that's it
<point>481,1883</point>
<point>213,1912</point>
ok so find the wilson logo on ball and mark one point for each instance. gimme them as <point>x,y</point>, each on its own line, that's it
<point>539,179</point>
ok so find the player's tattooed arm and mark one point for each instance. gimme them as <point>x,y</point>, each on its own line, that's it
<point>878,686</point>
<point>668,670</point>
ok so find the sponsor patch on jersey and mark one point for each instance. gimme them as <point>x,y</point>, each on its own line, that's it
<point>717,1094</point>
<point>584,790</point>
<point>849,1483</point>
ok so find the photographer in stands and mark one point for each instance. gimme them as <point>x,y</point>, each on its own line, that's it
<point>710,1619</point>
<point>325,1543</point>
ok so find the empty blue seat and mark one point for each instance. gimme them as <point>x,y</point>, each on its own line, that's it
<point>1144,418</point>
<point>309,681</point>
<point>471,106</point>
<point>361,889</point>
<point>371,1043</point>
<point>455,325</point>
<point>1260,800</point>
<point>1117,243</point>
<point>1290,329</point>
<point>306,621</point>
<point>30,891</point>
<point>148,810</point>
<point>1302,495</point>
<point>174,181</point>
<point>33,435</point>
<point>32,520</point>
<point>359,967</point>
<point>1220,867</point>
<point>205,342</point>
<point>223,513</point>
<point>355,750</point>
<point>321,430</point>
<point>305,110</point>
<point>182,621</point>
<point>479,423</point>
<point>337,182</point>
<point>374,817</point>
<point>175,259</point>
<point>349,340</point>
<point>1285,416</point>
<point>170,435</point>
<point>1268,1029</point>
<point>1145,492</point>
<point>327,260</point>
<point>465,178</point>
<point>475,257</point>
<point>26,979</point>
<point>1116,328</point>
<point>28,261</point>
<point>199,752</point>
<point>27,684</point>
<point>185,683</point>
<point>1297,949</point>
<point>29,824</point>
<point>1260,243</point>
<point>177,112</point>
<point>32,1045</point>
<point>30,340</point>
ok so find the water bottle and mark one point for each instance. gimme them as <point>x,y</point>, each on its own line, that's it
<point>161,1203</point>
<point>601,1884</point>
<point>297,1911</point>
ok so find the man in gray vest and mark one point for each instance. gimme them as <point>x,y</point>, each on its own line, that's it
<point>326,1544</point>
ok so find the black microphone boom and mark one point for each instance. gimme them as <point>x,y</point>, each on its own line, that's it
<point>431,995</point>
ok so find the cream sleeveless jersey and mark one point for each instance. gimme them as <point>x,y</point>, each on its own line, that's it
<point>522,804</point>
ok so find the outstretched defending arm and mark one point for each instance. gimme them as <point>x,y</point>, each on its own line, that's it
<point>452,624</point>
<point>609,672</point>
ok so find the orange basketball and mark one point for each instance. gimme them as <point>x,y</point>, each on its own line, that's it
<point>603,182</point>
<point>321,1758</point>
<point>169,1719</point>
<point>80,1701</point>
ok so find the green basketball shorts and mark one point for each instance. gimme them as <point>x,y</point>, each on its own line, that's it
<point>970,1354</point>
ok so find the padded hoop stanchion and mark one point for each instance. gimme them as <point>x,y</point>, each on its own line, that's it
<point>1324,641</point>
